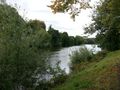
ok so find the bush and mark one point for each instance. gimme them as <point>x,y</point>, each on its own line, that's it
<point>82,55</point>
<point>54,77</point>
<point>22,55</point>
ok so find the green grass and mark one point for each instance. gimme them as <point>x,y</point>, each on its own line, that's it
<point>97,75</point>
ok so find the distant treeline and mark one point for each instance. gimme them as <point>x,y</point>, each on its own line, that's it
<point>59,39</point>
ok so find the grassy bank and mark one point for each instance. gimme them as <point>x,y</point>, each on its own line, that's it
<point>97,75</point>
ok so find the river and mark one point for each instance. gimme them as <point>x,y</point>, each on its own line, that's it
<point>63,55</point>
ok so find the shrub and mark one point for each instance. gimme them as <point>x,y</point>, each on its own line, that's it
<point>82,55</point>
<point>22,56</point>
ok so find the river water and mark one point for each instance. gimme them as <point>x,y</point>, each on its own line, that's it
<point>63,55</point>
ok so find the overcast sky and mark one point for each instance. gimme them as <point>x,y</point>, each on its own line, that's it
<point>37,9</point>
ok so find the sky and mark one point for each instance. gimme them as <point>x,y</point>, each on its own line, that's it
<point>37,9</point>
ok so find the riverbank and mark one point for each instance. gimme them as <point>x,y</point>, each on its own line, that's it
<point>63,55</point>
<point>97,75</point>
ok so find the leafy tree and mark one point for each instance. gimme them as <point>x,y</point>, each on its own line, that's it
<point>40,39</point>
<point>89,41</point>
<point>37,25</point>
<point>73,7</point>
<point>55,37</point>
<point>20,59</point>
<point>79,40</point>
<point>71,40</point>
<point>106,24</point>
<point>64,39</point>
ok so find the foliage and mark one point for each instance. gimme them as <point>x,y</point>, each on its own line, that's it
<point>36,25</point>
<point>64,39</point>
<point>22,56</point>
<point>55,37</point>
<point>89,41</point>
<point>71,40</point>
<point>82,55</point>
<point>106,24</point>
<point>79,40</point>
<point>72,6</point>
<point>40,39</point>
<point>12,60</point>
<point>59,76</point>
<point>55,76</point>
<point>59,39</point>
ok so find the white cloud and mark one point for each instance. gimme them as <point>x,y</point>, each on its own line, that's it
<point>37,9</point>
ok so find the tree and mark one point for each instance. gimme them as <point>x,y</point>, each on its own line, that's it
<point>72,6</point>
<point>89,41</point>
<point>64,39</point>
<point>71,40</point>
<point>106,24</point>
<point>41,39</point>
<point>20,59</point>
<point>55,37</point>
<point>79,40</point>
<point>37,25</point>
